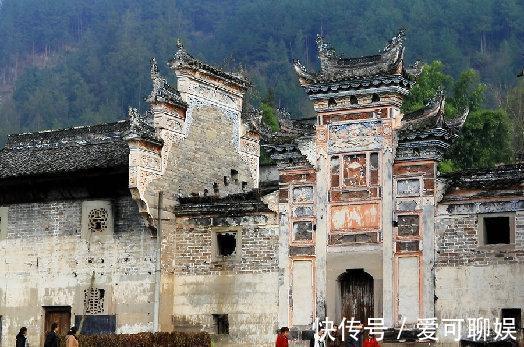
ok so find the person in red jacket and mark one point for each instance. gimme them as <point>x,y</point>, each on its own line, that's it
<point>282,337</point>
<point>369,340</point>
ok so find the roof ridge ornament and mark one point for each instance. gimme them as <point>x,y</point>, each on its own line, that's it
<point>396,41</point>
<point>415,70</point>
<point>154,69</point>
<point>335,68</point>
<point>324,47</point>
<point>139,128</point>
<point>162,91</point>
<point>184,60</point>
<point>179,44</point>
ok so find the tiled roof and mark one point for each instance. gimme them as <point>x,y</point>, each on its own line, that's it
<point>430,122</point>
<point>235,204</point>
<point>183,59</point>
<point>336,68</point>
<point>501,177</point>
<point>65,151</point>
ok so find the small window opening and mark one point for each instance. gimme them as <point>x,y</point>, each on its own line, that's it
<point>206,192</point>
<point>98,219</point>
<point>234,176</point>
<point>373,160</point>
<point>244,186</point>
<point>94,300</point>
<point>332,102</point>
<point>227,244</point>
<point>215,188</point>
<point>496,230</point>
<point>221,324</point>
<point>375,98</point>
<point>353,100</point>
<point>226,181</point>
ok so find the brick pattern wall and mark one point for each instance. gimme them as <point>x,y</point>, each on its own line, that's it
<point>47,262</point>
<point>37,224</point>
<point>458,244</point>
<point>194,244</point>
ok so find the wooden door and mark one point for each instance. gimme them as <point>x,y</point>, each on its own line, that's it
<point>60,315</point>
<point>356,288</point>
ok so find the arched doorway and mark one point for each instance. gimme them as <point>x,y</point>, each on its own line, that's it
<point>356,293</point>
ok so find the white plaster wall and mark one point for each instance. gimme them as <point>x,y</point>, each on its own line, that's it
<point>408,288</point>
<point>341,259</point>
<point>478,291</point>
<point>302,278</point>
<point>249,300</point>
<point>44,261</point>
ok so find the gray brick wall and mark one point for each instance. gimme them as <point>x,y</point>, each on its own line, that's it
<point>194,244</point>
<point>456,233</point>
<point>47,262</point>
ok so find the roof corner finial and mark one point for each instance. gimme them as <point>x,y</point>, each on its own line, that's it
<point>242,70</point>
<point>324,48</point>
<point>402,31</point>
<point>397,41</point>
<point>132,113</point>
<point>154,69</point>
<point>179,44</point>
<point>321,45</point>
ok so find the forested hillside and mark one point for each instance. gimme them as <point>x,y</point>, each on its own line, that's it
<point>71,62</point>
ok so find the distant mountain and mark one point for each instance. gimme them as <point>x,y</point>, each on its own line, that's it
<point>70,62</point>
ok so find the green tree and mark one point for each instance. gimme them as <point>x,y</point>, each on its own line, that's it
<point>269,112</point>
<point>486,138</point>
<point>514,106</point>
<point>429,83</point>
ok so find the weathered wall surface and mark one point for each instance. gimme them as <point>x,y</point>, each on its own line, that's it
<point>207,151</point>
<point>473,280</point>
<point>206,157</point>
<point>368,258</point>
<point>243,286</point>
<point>45,261</point>
<point>413,239</point>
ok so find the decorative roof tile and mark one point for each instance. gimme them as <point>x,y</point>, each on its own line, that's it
<point>162,91</point>
<point>66,150</point>
<point>183,59</point>
<point>84,148</point>
<point>336,68</point>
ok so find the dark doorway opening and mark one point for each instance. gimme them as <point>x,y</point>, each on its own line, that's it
<point>221,324</point>
<point>356,289</point>
<point>59,314</point>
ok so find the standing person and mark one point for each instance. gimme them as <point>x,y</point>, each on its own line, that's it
<point>52,339</point>
<point>370,340</point>
<point>337,337</point>
<point>21,338</point>
<point>71,339</point>
<point>320,339</point>
<point>282,337</point>
<point>351,342</point>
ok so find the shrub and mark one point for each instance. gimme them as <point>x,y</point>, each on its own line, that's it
<point>147,339</point>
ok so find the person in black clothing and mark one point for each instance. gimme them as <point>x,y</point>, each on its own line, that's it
<point>52,339</point>
<point>351,342</point>
<point>21,338</point>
